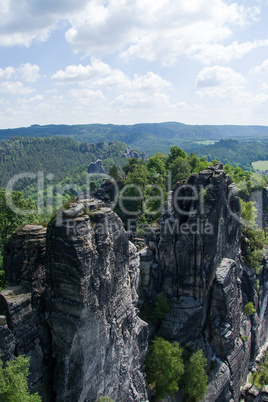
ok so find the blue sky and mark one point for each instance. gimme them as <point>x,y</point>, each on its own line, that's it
<point>133,61</point>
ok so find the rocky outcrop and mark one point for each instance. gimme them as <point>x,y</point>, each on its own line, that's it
<point>96,167</point>
<point>130,153</point>
<point>71,306</point>
<point>98,341</point>
<point>16,305</point>
<point>197,263</point>
<point>23,302</point>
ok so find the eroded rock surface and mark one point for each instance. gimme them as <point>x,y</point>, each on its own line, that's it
<point>197,263</point>
<point>23,301</point>
<point>98,341</point>
<point>71,306</point>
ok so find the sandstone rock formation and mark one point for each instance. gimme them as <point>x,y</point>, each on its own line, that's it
<point>195,259</point>
<point>22,302</point>
<point>96,167</point>
<point>78,321</point>
<point>130,153</point>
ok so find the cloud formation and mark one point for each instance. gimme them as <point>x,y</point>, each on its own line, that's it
<point>123,61</point>
<point>262,68</point>
<point>23,21</point>
<point>14,88</point>
<point>219,76</point>
<point>25,72</point>
<point>100,74</point>
<point>162,30</point>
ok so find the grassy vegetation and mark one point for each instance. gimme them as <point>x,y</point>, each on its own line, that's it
<point>205,142</point>
<point>260,165</point>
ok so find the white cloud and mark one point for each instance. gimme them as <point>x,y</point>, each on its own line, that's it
<point>76,73</point>
<point>222,84</point>
<point>23,21</point>
<point>29,72</point>
<point>155,30</point>
<point>25,72</point>
<point>219,76</point>
<point>151,81</point>
<point>113,90</point>
<point>100,74</point>
<point>33,100</point>
<point>37,98</point>
<point>7,72</point>
<point>229,94</point>
<point>86,95</point>
<point>262,68</point>
<point>14,88</point>
<point>259,99</point>
<point>210,53</point>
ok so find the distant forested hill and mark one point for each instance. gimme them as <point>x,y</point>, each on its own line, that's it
<point>234,152</point>
<point>54,155</point>
<point>149,138</point>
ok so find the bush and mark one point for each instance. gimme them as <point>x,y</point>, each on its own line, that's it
<point>249,308</point>
<point>13,381</point>
<point>104,399</point>
<point>164,366</point>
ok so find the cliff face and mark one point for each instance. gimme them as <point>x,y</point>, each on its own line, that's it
<point>98,341</point>
<point>195,259</point>
<point>89,340</point>
<point>23,302</point>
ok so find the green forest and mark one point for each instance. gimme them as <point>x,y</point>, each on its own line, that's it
<point>158,137</point>
<point>53,155</point>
